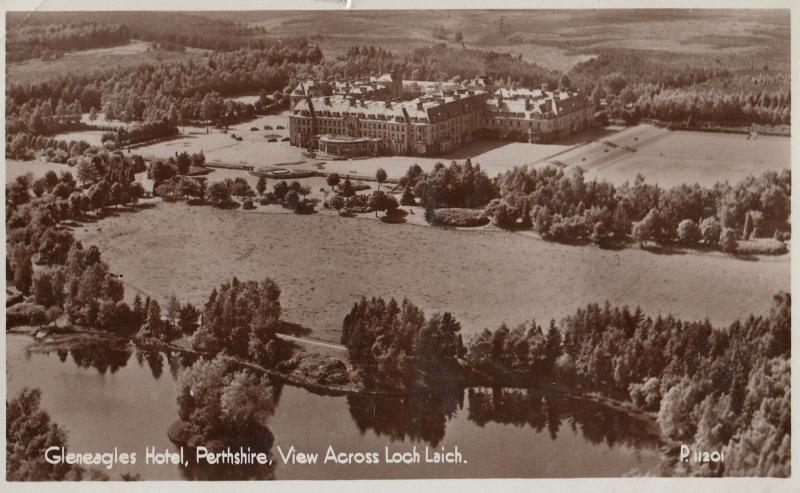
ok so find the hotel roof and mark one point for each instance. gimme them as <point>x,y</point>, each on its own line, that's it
<point>419,110</point>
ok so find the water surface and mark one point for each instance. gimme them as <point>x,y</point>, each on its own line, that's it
<point>120,396</point>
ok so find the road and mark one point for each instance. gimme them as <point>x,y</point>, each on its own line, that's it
<point>312,341</point>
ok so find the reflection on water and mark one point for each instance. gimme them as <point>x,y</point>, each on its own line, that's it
<point>596,423</point>
<point>103,401</point>
<point>417,418</point>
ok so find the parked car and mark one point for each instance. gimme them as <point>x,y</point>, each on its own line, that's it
<point>285,139</point>
<point>273,140</point>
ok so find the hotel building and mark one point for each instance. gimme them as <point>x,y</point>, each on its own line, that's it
<point>363,123</point>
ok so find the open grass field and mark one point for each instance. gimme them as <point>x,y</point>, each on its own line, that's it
<point>87,61</point>
<point>93,137</point>
<point>15,168</point>
<point>554,38</point>
<point>670,158</point>
<point>324,264</point>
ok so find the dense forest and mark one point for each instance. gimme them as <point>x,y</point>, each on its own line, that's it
<point>716,388</point>
<point>637,88</point>
<point>53,40</point>
<point>45,34</point>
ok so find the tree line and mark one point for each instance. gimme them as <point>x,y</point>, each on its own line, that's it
<point>53,40</point>
<point>717,388</point>
<point>561,205</point>
<point>180,92</point>
<point>171,30</point>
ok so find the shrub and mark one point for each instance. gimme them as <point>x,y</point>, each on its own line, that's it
<point>292,200</point>
<point>710,230</point>
<point>688,233</point>
<point>505,216</point>
<point>26,314</point>
<point>248,205</point>
<point>456,217</point>
<point>336,202</point>
<point>762,247</point>
<point>408,197</point>
<point>305,207</point>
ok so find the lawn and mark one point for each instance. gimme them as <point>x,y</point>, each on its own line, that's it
<point>254,148</point>
<point>325,264</point>
<point>670,158</point>
<point>15,168</point>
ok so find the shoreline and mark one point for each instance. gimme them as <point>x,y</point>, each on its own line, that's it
<point>338,391</point>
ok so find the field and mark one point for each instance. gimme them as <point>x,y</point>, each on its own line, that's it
<point>93,137</point>
<point>553,38</point>
<point>130,55</point>
<point>670,158</point>
<point>15,168</point>
<point>324,264</point>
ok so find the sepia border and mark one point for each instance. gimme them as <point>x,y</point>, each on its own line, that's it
<point>620,485</point>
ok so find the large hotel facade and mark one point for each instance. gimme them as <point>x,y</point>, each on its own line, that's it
<point>369,117</point>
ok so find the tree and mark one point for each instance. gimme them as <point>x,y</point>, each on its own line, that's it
<point>333,180</point>
<point>710,230</point>
<point>160,172</point>
<point>261,186</point>
<point>135,192</point>
<point>99,195</point>
<point>377,201</point>
<point>347,190</point>
<point>408,197</point>
<point>153,327</point>
<point>39,187</point>
<point>280,189</point>
<point>23,273</point>
<point>727,241</point>
<point>29,432</point>
<point>337,202</point>
<point>87,172</point>
<point>187,318</point>
<point>173,309</point>
<point>43,291</point>
<point>381,176</point>
<point>643,230</point>
<point>218,194</point>
<point>241,188</point>
<point>688,233</point>
<point>117,193</point>
<point>748,226</point>
<point>51,180</point>
<point>675,414</point>
<point>292,200</point>
<point>183,163</point>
